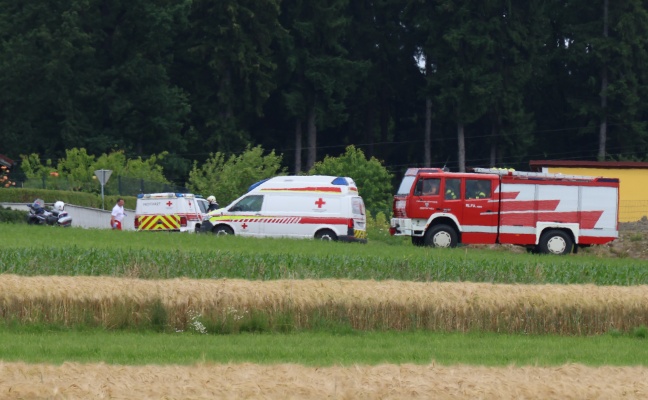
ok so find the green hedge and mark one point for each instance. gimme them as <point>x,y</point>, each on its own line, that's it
<point>27,195</point>
<point>12,216</point>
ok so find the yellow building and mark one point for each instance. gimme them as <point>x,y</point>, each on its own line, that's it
<point>633,180</point>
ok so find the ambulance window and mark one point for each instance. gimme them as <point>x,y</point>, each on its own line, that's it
<point>203,206</point>
<point>357,206</point>
<point>249,203</point>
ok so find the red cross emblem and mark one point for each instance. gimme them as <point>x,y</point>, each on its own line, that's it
<point>169,203</point>
<point>244,225</point>
<point>320,202</point>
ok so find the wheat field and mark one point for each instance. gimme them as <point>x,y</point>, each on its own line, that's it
<point>366,305</point>
<point>289,381</point>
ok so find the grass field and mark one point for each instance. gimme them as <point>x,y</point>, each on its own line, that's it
<point>27,250</point>
<point>39,344</point>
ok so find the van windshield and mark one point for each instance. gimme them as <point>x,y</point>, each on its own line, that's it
<point>248,203</point>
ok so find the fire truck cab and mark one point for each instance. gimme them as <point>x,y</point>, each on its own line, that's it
<point>547,213</point>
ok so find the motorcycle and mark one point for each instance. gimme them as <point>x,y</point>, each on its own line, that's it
<point>39,215</point>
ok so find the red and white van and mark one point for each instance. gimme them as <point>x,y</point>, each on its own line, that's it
<point>160,212</point>
<point>318,206</point>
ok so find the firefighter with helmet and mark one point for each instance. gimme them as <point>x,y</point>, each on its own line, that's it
<point>452,189</point>
<point>480,193</point>
<point>213,205</point>
<point>476,190</point>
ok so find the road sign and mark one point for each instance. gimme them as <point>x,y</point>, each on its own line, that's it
<point>103,175</point>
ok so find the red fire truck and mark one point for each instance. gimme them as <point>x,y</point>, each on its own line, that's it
<point>547,213</point>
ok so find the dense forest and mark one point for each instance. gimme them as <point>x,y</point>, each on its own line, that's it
<point>411,82</point>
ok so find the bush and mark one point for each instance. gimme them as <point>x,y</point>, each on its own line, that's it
<point>231,178</point>
<point>75,172</point>
<point>372,178</point>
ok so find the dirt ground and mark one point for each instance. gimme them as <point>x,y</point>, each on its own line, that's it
<point>632,242</point>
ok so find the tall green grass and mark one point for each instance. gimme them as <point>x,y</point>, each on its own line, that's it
<point>29,250</point>
<point>35,345</point>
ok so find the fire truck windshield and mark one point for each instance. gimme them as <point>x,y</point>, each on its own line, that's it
<point>405,186</point>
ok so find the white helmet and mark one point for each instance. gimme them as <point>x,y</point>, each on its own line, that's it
<point>211,199</point>
<point>59,206</point>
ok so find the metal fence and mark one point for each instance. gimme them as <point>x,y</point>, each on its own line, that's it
<point>116,185</point>
<point>633,210</point>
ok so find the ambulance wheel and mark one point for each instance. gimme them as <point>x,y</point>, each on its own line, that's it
<point>222,230</point>
<point>555,242</point>
<point>326,234</point>
<point>441,236</point>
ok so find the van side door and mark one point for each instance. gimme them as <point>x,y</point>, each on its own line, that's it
<point>246,216</point>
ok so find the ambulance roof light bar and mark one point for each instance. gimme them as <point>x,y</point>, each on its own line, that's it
<point>160,195</point>
<point>340,181</point>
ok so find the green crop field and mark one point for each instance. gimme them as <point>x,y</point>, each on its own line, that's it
<point>28,250</point>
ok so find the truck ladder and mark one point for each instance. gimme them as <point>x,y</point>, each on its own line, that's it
<point>545,175</point>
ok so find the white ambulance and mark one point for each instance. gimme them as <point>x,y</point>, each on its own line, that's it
<point>169,212</point>
<point>318,206</point>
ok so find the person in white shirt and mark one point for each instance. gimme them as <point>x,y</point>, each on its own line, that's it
<point>117,215</point>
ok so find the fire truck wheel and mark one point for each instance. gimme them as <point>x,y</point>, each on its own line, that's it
<point>222,230</point>
<point>555,242</point>
<point>441,236</point>
<point>326,234</point>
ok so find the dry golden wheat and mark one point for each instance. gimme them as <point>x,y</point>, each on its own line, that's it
<point>560,309</point>
<point>288,381</point>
